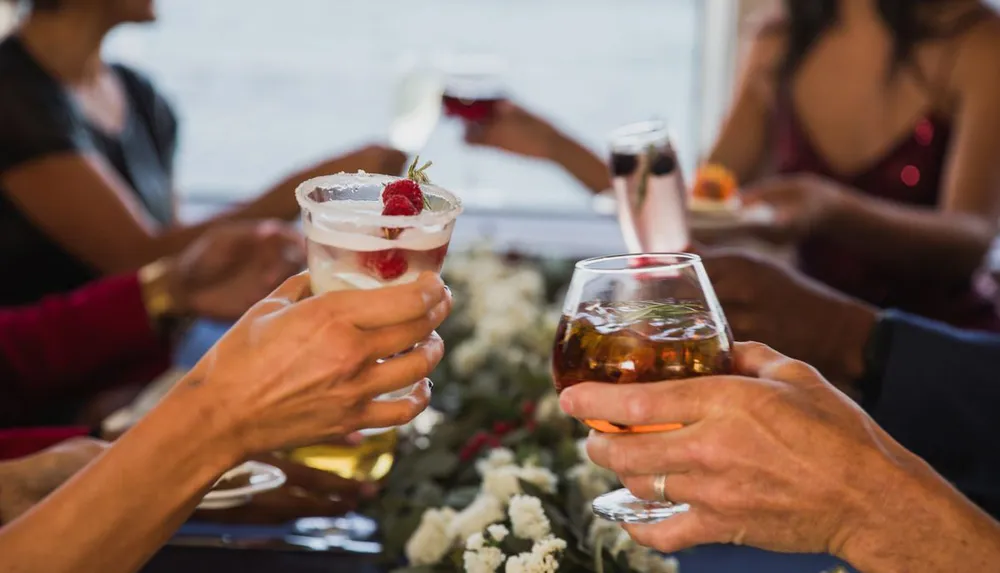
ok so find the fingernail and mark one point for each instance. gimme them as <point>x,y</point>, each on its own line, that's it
<point>566,403</point>
<point>447,289</point>
<point>369,490</point>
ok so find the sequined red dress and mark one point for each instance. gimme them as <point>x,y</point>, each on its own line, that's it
<point>910,173</point>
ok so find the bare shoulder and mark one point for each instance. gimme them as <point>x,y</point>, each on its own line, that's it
<point>977,59</point>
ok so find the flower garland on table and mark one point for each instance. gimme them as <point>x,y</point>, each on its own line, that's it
<point>494,478</point>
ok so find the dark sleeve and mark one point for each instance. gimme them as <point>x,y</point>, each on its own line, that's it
<point>49,347</point>
<point>37,119</point>
<point>940,398</point>
<point>156,111</point>
<point>20,442</point>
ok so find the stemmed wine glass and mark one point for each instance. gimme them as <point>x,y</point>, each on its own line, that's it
<point>636,319</point>
<point>473,86</point>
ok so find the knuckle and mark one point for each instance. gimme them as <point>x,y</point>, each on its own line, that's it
<point>638,408</point>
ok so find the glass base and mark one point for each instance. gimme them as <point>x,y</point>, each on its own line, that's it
<point>622,507</point>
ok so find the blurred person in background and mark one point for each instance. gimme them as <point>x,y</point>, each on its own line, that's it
<point>873,128</point>
<point>59,355</point>
<point>87,156</point>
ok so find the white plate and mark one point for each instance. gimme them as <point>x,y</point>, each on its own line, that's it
<point>759,214</point>
<point>262,477</point>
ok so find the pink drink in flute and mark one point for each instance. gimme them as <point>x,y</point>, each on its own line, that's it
<point>366,231</point>
<point>650,189</point>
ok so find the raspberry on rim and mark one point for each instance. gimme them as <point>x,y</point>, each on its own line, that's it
<point>409,188</point>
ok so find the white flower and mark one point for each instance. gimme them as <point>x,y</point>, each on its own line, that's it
<point>532,563</point>
<point>527,517</point>
<point>475,542</point>
<point>603,534</point>
<point>484,560</point>
<point>498,532</point>
<point>485,510</point>
<point>470,355</point>
<point>548,409</point>
<point>548,546</point>
<point>502,483</point>
<point>497,458</point>
<point>592,480</point>
<point>539,477</point>
<point>431,541</point>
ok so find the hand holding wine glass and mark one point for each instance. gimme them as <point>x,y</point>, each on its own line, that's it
<point>636,320</point>
<point>775,458</point>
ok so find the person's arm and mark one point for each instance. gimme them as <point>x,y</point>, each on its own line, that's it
<point>62,535</point>
<point>743,140</point>
<point>915,521</point>
<point>62,340</point>
<point>936,389</point>
<point>100,221</point>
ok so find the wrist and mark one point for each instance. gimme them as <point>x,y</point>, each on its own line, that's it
<point>161,293</point>
<point>912,520</point>
<point>192,400</point>
<point>859,324</point>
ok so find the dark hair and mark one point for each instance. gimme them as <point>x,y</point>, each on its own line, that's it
<point>910,22</point>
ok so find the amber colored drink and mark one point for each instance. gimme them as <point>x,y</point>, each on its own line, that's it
<point>638,342</point>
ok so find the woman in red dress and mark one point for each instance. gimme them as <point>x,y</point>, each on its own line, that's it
<point>874,129</point>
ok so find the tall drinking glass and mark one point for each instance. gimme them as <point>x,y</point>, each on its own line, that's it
<point>635,319</point>
<point>649,189</point>
<point>351,245</point>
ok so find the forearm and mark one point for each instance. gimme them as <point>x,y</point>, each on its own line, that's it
<point>51,345</point>
<point>920,523</point>
<point>115,514</point>
<point>904,238</point>
<point>279,201</point>
<point>583,164</point>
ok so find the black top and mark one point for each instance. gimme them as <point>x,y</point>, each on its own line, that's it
<point>38,117</point>
<point>940,399</point>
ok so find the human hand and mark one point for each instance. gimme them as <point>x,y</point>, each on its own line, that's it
<point>775,458</point>
<point>233,266</point>
<point>297,369</point>
<point>804,205</point>
<point>307,492</point>
<point>27,481</point>
<point>771,303</point>
<point>513,129</point>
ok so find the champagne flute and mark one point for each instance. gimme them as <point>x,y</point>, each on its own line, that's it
<point>637,319</point>
<point>649,188</point>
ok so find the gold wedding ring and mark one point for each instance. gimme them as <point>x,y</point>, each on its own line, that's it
<point>660,487</point>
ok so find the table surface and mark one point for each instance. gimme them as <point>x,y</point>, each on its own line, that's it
<point>709,559</point>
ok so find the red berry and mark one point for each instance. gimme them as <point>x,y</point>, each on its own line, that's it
<point>501,429</point>
<point>387,265</point>
<point>399,206</point>
<point>406,189</point>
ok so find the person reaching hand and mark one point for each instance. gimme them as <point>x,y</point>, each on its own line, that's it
<point>57,354</point>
